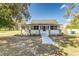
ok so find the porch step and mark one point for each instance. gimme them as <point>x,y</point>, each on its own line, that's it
<point>46,39</point>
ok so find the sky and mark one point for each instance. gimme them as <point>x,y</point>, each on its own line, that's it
<point>48,11</point>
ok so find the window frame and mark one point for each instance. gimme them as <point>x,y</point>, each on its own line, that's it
<point>53,27</point>
<point>35,28</point>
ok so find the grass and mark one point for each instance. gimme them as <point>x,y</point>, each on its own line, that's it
<point>72,51</point>
<point>69,43</point>
<point>8,33</point>
<point>74,34</point>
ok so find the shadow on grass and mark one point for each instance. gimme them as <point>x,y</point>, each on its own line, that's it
<point>18,45</point>
<point>66,40</point>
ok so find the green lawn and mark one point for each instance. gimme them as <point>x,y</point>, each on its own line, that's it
<point>74,34</point>
<point>8,33</point>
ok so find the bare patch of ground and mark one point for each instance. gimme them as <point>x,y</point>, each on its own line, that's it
<point>27,46</point>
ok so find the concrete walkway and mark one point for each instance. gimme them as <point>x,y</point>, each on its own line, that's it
<point>46,39</point>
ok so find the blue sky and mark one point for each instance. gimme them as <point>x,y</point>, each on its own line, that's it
<point>47,11</point>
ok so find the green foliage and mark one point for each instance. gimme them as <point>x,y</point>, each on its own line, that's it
<point>69,10</point>
<point>9,12</point>
<point>5,17</point>
<point>74,24</point>
<point>72,27</point>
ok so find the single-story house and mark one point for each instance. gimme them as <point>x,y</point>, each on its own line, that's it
<point>49,27</point>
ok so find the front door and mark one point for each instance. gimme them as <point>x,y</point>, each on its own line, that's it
<point>44,30</point>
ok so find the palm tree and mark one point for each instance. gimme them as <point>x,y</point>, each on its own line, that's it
<point>73,12</point>
<point>69,10</point>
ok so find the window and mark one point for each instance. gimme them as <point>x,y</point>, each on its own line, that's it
<point>44,28</point>
<point>53,27</point>
<point>36,28</point>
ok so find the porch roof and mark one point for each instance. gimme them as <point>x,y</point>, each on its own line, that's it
<point>40,22</point>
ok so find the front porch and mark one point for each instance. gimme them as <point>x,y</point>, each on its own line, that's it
<point>48,29</point>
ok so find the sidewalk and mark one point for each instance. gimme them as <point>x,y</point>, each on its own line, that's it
<point>46,39</point>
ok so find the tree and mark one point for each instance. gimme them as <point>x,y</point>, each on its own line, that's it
<point>73,12</point>
<point>74,24</point>
<point>69,10</point>
<point>5,18</point>
<point>13,13</point>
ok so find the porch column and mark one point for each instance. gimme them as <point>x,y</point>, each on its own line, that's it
<point>49,30</point>
<point>58,28</point>
<point>39,29</point>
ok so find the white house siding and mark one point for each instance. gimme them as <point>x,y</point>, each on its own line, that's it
<point>54,32</point>
<point>46,32</point>
<point>69,31</point>
<point>34,32</point>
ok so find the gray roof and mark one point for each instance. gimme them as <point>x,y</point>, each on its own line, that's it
<point>48,21</point>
